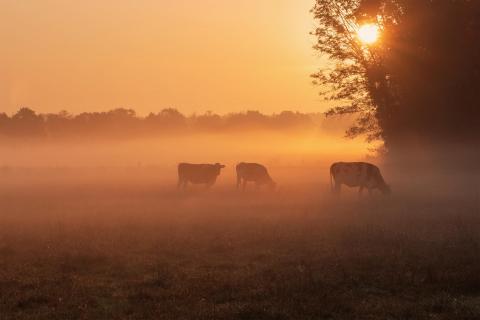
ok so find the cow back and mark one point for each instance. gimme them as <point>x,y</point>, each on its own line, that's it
<point>253,172</point>
<point>198,173</point>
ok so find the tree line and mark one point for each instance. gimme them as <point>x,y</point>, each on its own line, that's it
<point>125,123</point>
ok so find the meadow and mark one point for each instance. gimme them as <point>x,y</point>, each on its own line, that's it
<point>123,243</point>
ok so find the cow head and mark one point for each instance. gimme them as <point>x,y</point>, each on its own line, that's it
<point>272,185</point>
<point>218,167</point>
<point>386,190</point>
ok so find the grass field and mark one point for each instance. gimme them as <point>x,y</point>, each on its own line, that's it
<point>138,249</point>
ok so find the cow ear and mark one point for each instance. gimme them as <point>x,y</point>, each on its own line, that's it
<point>222,166</point>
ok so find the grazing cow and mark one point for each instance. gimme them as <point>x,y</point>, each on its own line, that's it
<point>357,174</point>
<point>253,172</point>
<point>198,174</point>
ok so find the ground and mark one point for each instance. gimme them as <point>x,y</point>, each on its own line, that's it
<point>143,250</point>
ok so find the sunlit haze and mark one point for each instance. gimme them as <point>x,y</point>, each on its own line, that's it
<point>368,33</point>
<point>218,55</point>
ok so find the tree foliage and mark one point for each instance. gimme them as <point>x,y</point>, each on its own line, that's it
<point>419,82</point>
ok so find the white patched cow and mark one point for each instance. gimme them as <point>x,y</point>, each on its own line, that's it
<point>357,174</point>
<point>253,172</point>
<point>198,174</point>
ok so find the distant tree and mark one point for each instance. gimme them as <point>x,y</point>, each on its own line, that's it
<point>25,114</point>
<point>58,124</point>
<point>122,114</point>
<point>293,120</point>
<point>208,121</point>
<point>249,119</point>
<point>167,119</point>
<point>124,123</point>
<point>26,123</point>
<point>4,124</point>
<point>120,122</point>
<point>419,82</point>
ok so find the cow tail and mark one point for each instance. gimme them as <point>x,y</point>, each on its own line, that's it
<point>239,179</point>
<point>180,180</point>
<point>331,178</point>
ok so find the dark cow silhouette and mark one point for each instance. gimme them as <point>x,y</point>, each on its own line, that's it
<point>198,174</point>
<point>357,174</point>
<point>253,172</point>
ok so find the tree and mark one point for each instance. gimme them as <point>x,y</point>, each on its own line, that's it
<point>27,123</point>
<point>419,82</point>
<point>58,124</point>
<point>248,120</point>
<point>208,121</point>
<point>166,120</point>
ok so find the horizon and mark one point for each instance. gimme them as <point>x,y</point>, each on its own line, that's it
<point>160,109</point>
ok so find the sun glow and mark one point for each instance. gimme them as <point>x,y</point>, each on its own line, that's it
<point>368,33</point>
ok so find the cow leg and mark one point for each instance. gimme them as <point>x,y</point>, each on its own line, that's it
<point>180,183</point>
<point>360,191</point>
<point>370,191</point>
<point>239,181</point>
<point>338,188</point>
<point>244,185</point>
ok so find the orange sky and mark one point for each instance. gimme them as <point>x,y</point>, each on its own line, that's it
<point>219,55</point>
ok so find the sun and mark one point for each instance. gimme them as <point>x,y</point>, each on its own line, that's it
<point>368,33</point>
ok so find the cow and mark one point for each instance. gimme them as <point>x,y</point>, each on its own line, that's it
<point>253,172</point>
<point>357,174</point>
<point>198,174</point>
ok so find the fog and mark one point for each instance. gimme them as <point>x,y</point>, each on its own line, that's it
<point>97,229</point>
<point>287,155</point>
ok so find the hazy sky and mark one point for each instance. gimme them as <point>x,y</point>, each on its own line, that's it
<point>219,55</point>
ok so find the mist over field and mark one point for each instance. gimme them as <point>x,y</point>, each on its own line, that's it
<point>96,228</point>
<point>120,145</point>
<point>93,225</point>
<point>272,147</point>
